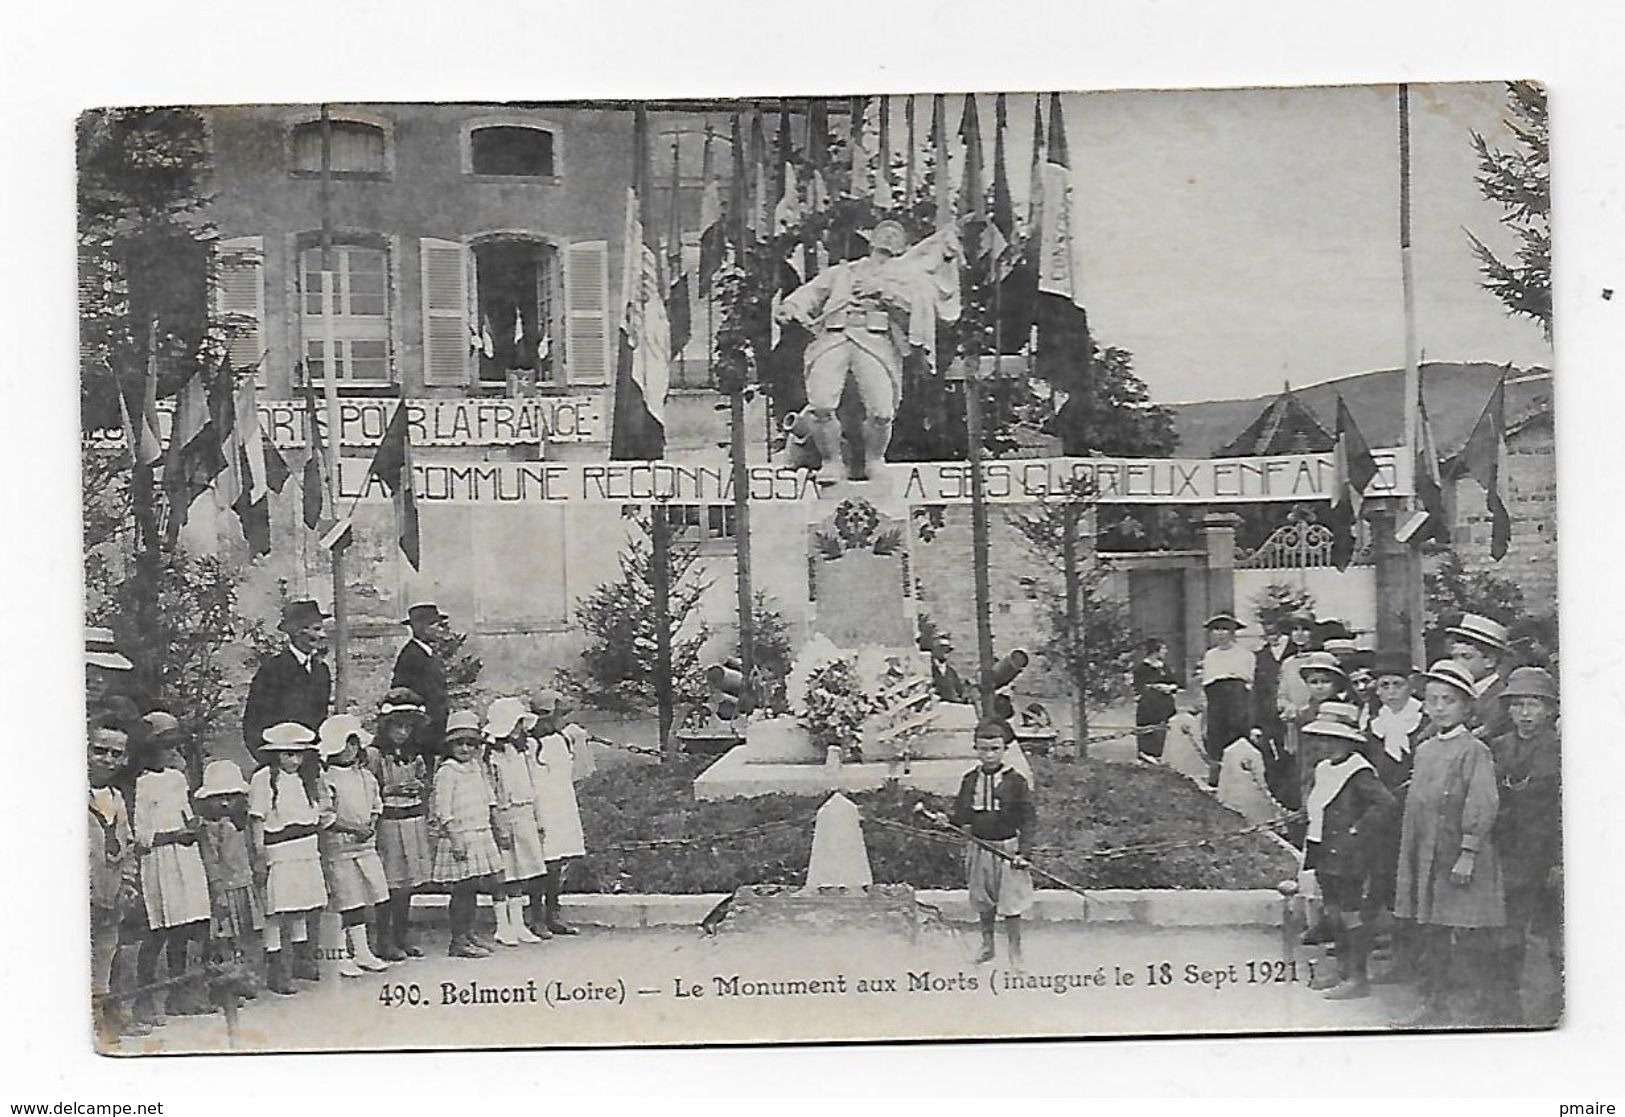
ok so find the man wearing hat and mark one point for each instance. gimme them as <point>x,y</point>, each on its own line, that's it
<point>1529,832</point>
<point>865,316</point>
<point>1227,679</point>
<point>1478,645</point>
<point>1294,634</point>
<point>422,669</point>
<point>294,685</point>
<point>107,670</point>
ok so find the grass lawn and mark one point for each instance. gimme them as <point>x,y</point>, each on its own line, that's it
<point>1083,806</point>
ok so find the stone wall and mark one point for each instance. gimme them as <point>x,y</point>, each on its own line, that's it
<point>1531,560</point>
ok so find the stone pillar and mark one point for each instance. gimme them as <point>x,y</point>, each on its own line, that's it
<point>1393,561</point>
<point>1219,541</point>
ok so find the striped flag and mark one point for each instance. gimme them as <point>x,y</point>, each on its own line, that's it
<point>194,458</point>
<point>713,235</point>
<point>787,210</point>
<point>939,154</point>
<point>1484,459</point>
<point>260,467</point>
<point>984,244</point>
<point>1353,470</point>
<point>1065,350</point>
<point>1429,480</point>
<point>883,191</point>
<point>392,465</point>
<point>643,366</point>
<point>676,276</point>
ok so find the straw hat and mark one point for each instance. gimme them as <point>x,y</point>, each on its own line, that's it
<point>548,701</point>
<point>101,651</point>
<point>1482,631</point>
<point>504,714</point>
<point>463,723</point>
<point>289,736</point>
<point>1223,620</point>
<point>1451,674</point>
<point>221,777</point>
<point>1531,682</point>
<point>1337,719</point>
<point>336,732</point>
<point>1321,661</point>
<point>161,724</point>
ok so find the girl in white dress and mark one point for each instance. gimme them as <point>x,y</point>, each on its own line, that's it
<point>286,809</point>
<point>355,874</point>
<point>173,883</point>
<point>466,856</point>
<point>507,725</point>
<point>553,773</point>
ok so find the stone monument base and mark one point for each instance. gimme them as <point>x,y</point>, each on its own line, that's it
<point>739,775</point>
<point>759,908</point>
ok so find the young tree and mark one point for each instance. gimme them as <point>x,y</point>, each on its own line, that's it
<point>1519,181</point>
<point>618,664</point>
<point>1089,637</point>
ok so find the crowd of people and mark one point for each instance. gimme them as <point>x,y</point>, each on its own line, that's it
<point>1430,800</point>
<point>208,888</point>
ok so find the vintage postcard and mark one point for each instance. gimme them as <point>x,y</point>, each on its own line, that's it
<point>820,569</point>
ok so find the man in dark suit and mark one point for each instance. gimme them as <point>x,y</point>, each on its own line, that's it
<point>293,685</point>
<point>421,668</point>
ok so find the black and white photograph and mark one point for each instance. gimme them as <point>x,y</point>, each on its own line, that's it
<point>793,569</point>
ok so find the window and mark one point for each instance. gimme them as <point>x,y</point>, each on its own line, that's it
<point>357,149</point>
<point>518,284</point>
<point>702,523</point>
<point>510,149</point>
<point>360,302</point>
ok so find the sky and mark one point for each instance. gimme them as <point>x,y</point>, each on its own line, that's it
<point>1234,240</point>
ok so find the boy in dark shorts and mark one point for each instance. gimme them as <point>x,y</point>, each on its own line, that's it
<point>995,811</point>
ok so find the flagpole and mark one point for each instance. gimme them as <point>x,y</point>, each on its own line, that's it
<point>1414,601</point>
<point>330,393</point>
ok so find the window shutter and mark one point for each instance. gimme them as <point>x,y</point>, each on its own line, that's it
<point>445,313</point>
<point>240,296</point>
<point>587,353</point>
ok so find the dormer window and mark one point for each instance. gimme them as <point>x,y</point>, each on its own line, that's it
<point>357,148</point>
<point>511,150</point>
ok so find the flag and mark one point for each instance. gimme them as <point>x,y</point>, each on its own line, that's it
<point>487,346</point>
<point>854,143</point>
<point>253,504</point>
<point>1017,277</point>
<point>1428,479</point>
<point>313,492</point>
<point>1035,180</point>
<point>760,219</point>
<point>643,365</point>
<point>518,330</point>
<point>1483,458</point>
<point>983,242</point>
<point>883,192</point>
<point>713,235</point>
<point>739,229</point>
<point>939,155</point>
<point>676,277</point>
<point>228,483</point>
<point>1353,469</point>
<point>392,465</point>
<point>787,211</point>
<point>194,457</point>
<point>1065,350</point>
<point>131,438</point>
<point>910,172</point>
<point>817,156</point>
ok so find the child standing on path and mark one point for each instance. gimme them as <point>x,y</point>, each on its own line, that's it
<point>1227,680</point>
<point>355,875</point>
<point>1393,733</point>
<point>237,920</point>
<point>465,853</point>
<point>397,763</point>
<point>557,813</point>
<point>1449,878</point>
<point>995,810</point>
<point>1529,835</point>
<point>507,727</point>
<point>285,812</point>
<point>1346,807</point>
<point>173,883</point>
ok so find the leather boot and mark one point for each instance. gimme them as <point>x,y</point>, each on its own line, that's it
<point>1355,985</point>
<point>277,978</point>
<point>400,910</point>
<point>555,885</point>
<point>304,961</point>
<point>535,912</point>
<point>383,934</point>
